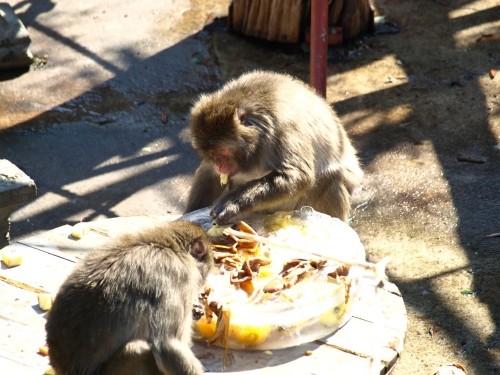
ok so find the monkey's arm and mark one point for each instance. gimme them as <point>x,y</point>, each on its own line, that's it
<point>205,189</point>
<point>270,191</point>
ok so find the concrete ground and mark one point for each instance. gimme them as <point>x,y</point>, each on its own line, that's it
<point>99,122</point>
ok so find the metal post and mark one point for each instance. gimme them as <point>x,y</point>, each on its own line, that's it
<point>319,45</point>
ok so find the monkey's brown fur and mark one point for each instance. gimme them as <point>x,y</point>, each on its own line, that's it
<point>127,308</point>
<point>282,145</point>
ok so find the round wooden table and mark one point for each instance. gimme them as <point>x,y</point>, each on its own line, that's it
<point>376,330</point>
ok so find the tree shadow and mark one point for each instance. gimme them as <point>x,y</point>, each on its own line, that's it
<point>122,138</point>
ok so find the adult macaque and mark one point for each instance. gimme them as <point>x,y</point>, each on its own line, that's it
<point>277,144</point>
<point>127,308</point>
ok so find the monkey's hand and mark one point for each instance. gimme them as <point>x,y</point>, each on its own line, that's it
<point>269,192</point>
<point>224,210</point>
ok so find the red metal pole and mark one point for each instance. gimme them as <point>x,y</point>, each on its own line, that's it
<point>319,45</point>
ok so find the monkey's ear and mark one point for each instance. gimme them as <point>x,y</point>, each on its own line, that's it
<point>198,249</point>
<point>244,116</point>
<point>247,117</point>
<point>240,115</point>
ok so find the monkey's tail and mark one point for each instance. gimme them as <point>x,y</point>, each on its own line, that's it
<point>175,357</point>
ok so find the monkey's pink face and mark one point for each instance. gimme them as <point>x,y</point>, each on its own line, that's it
<point>224,162</point>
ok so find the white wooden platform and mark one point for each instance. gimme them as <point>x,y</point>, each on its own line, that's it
<point>377,328</point>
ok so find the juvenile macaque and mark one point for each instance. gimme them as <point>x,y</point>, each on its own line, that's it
<point>279,145</point>
<point>127,308</point>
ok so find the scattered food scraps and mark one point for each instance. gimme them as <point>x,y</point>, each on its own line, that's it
<point>455,369</point>
<point>471,157</point>
<point>488,38</point>
<point>80,231</point>
<point>12,258</point>
<point>45,301</point>
<point>43,350</point>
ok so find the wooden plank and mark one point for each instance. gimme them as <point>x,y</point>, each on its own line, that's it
<point>59,241</point>
<point>364,339</point>
<point>240,11</point>
<point>274,20</point>
<point>319,360</point>
<point>290,24</point>
<point>251,17</point>
<point>22,329</point>
<point>261,25</point>
<point>246,10</point>
<point>40,270</point>
<point>377,328</point>
<point>275,15</point>
<point>12,367</point>
<point>386,307</point>
<point>335,361</point>
<point>236,14</point>
<point>335,9</point>
<point>249,361</point>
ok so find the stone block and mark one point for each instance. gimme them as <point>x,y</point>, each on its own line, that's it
<point>15,188</point>
<point>4,233</point>
<point>14,40</point>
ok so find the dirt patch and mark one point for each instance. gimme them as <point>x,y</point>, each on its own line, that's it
<point>414,102</point>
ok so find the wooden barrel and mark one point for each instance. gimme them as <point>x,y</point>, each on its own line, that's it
<point>287,21</point>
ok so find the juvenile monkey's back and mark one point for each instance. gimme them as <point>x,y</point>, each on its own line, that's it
<point>118,293</point>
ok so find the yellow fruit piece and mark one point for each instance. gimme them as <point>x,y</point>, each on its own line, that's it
<point>79,231</point>
<point>224,178</point>
<point>266,271</point>
<point>12,258</point>
<point>216,230</point>
<point>49,371</point>
<point>45,301</point>
<point>250,335</point>
<point>332,317</point>
<point>43,350</point>
<point>206,329</point>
